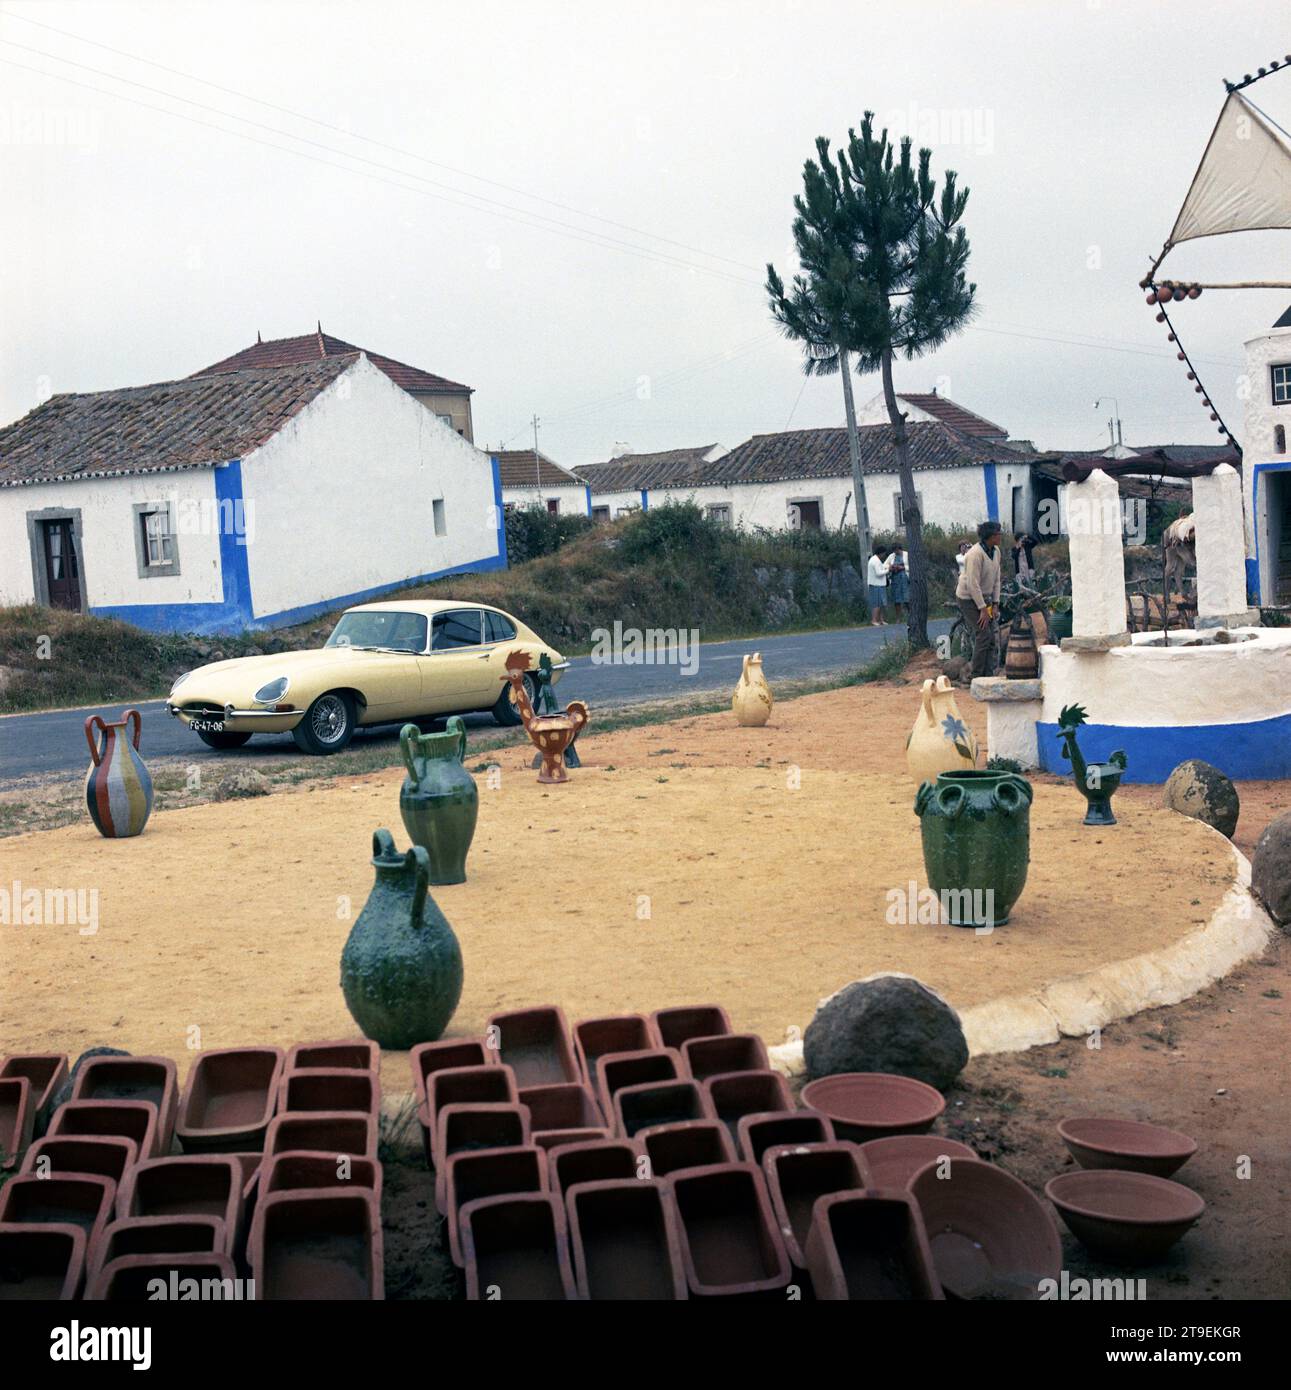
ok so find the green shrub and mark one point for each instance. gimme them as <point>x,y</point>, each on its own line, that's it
<point>534,531</point>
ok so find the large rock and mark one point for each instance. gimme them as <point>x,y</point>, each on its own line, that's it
<point>888,1023</point>
<point>1271,869</point>
<point>1201,791</point>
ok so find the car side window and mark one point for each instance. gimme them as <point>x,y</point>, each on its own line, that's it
<point>458,628</point>
<point>497,628</point>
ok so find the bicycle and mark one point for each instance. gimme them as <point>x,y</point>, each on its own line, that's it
<point>1016,599</point>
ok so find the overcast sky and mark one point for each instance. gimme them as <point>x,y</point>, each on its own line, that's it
<point>569,206</point>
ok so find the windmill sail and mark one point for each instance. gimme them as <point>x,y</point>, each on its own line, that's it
<point>1243,182</point>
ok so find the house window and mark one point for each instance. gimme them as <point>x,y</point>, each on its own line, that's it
<point>437,506</point>
<point>156,545</point>
<point>898,511</point>
<point>804,514</point>
<point>447,419</point>
<point>1279,439</point>
<point>553,506</point>
<point>1281,373</point>
<point>720,512</point>
<point>600,513</point>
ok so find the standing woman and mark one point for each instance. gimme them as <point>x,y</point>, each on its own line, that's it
<point>877,578</point>
<point>898,581</point>
<point>1023,564</point>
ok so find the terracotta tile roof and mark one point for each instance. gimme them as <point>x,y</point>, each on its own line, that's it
<point>516,469</point>
<point>667,468</point>
<point>770,458</point>
<point>958,417</point>
<point>311,347</point>
<point>192,423</point>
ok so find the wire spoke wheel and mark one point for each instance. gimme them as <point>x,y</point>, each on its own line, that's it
<point>328,719</point>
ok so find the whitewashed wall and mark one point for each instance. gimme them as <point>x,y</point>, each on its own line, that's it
<point>110,571</point>
<point>572,499</point>
<point>1261,417</point>
<point>343,496</point>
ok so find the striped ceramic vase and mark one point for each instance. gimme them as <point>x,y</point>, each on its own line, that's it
<point>118,789</point>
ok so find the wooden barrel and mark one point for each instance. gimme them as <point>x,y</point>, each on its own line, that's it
<point>1022,661</point>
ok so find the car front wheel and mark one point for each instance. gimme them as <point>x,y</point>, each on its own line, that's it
<point>506,712</point>
<point>222,741</point>
<point>328,724</point>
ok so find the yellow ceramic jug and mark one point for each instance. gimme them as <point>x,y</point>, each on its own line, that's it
<point>752,699</point>
<point>940,741</point>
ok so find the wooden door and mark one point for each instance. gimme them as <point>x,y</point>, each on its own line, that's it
<point>62,573</point>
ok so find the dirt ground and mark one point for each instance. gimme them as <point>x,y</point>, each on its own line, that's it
<point>234,931</point>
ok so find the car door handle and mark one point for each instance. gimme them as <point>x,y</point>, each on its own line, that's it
<point>485,657</point>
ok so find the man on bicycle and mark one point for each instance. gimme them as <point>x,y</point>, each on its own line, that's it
<point>978,592</point>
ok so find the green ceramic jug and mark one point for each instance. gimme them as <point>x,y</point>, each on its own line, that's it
<point>401,968</point>
<point>439,801</point>
<point>976,829</point>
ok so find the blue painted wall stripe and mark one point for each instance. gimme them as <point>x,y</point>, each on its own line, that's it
<point>1260,748</point>
<point>645,500</point>
<point>588,491</point>
<point>992,492</point>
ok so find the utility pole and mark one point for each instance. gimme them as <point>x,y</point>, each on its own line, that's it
<point>854,448</point>
<point>1114,424</point>
<point>537,466</point>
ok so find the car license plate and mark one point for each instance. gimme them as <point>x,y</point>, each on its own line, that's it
<point>206,726</point>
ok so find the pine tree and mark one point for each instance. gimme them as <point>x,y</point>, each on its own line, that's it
<point>882,274</point>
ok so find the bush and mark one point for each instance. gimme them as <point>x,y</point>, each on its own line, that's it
<point>534,531</point>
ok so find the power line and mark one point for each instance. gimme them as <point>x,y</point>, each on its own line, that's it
<point>368,140</point>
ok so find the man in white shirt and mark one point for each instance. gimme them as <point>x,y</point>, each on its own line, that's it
<point>978,592</point>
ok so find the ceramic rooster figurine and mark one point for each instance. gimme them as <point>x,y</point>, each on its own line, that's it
<point>1096,782</point>
<point>551,733</point>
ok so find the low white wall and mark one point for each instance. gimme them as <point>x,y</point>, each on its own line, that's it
<point>572,500</point>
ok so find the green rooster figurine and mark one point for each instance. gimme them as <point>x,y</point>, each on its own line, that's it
<point>1097,782</point>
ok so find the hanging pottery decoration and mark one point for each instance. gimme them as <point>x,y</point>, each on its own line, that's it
<point>439,801</point>
<point>941,740</point>
<point>752,699</point>
<point>551,733</point>
<point>1096,782</point>
<point>976,829</point>
<point>401,968</point>
<point>118,788</point>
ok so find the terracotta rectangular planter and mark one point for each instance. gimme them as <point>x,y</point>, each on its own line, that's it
<point>323,1131</point>
<point>729,1242</point>
<point>619,1069</point>
<point>676,1026</point>
<point>592,1160</point>
<point>133,1119</point>
<point>690,1144</point>
<point>159,1235</point>
<point>301,1170</point>
<point>562,1108</point>
<point>623,1241</point>
<point>151,1079</point>
<point>757,1133</point>
<point>514,1249</point>
<point>194,1185</point>
<point>470,1128</point>
<point>484,1085</point>
<point>796,1176</point>
<point>595,1037</point>
<point>357,1054</point>
<point>318,1244</point>
<point>870,1246</point>
<point>330,1089</point>
<point>41,1263</point>
<point>106,1156</point>
<point>17,1119</point>
<point>229,1099</point>
<point>735,1094</point>
<point>727,1052</point>
<point>64,1199</point>
<point>449,1054</point>
<point>131,1278</point>
<point>46,1071</point>
<point>557,1138</point>
<point>658,1103</point>
<point>489,1173</point>
<point>535,1044</point>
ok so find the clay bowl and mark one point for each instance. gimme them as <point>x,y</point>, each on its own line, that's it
<point>1130,1146</point>
<point>893,1161</point>
<point>872,1104</point>
<point>991,1236</point>
<point>1128,1217</point>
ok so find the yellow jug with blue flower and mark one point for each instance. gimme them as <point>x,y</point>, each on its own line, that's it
<point>940,741</point>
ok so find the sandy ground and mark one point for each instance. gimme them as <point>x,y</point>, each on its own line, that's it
<point>628,889</point>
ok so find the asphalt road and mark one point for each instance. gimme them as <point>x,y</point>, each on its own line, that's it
<point>34,744</point>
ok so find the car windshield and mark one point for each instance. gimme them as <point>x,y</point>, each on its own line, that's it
<point>382,631</point>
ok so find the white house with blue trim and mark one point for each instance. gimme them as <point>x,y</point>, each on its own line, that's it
<point>248,498</point>
<point>531,479</point>
<point>1266,464</point>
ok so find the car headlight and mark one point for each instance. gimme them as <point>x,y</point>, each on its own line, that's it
<point>179,680</point>
<point>274,691</point>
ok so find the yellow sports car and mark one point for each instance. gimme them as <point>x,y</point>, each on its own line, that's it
<point>384,663</point>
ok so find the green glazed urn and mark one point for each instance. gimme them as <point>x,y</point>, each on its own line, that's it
<point>401,968</point>
<point>976,829</point>
<point>439,801</point>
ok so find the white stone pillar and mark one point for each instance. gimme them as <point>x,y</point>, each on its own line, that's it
<point>1093,516</point>
<point>1221,549</point>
